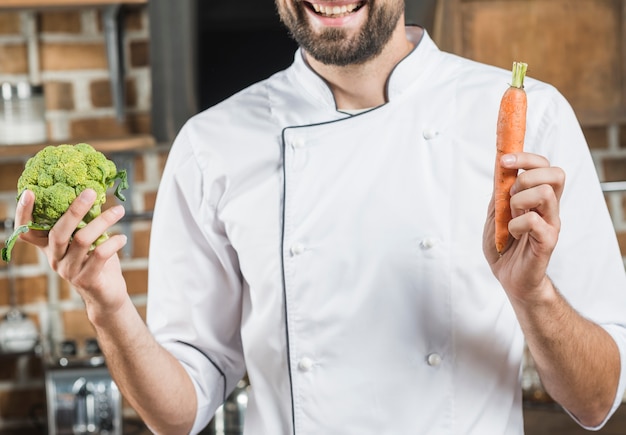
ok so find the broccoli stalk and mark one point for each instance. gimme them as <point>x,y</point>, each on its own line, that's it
<point>57,175</point>
<point>6,251</point>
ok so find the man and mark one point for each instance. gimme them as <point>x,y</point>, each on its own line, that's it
<point>323,232</point>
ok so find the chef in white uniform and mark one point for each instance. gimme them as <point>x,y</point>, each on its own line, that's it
<point>322,231</point>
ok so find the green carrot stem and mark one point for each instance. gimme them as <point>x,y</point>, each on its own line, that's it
<point>519,72</point>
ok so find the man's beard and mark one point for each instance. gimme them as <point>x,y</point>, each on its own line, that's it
<point>332,47</point>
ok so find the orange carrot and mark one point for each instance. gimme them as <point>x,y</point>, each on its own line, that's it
<point>510,139</point>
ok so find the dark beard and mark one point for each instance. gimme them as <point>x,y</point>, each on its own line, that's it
<point>331,46</point>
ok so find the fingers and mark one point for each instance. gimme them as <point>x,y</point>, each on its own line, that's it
<point>68,258</point>
<point>536,212</point>
<point>542,235</point>
<point>524,161</point>
<point>552,176</point>
<point>24,215</point>
<point>78,254</point>
<point>87,236</point>
<point>536,170</point>
<point>535,198</point>
<point>61,233</point>
<point>101,255</point>
<point>24,210</point>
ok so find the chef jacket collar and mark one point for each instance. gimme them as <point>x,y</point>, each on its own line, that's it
<point>406,73</point>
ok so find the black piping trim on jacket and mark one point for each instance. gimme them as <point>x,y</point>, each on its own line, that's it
<point>282,261</point>
<point>282,252</point>
<point>282,240</point>
<point>221,372</point>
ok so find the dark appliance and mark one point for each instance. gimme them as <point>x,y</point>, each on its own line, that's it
<point>81,396</point>
<point>201,52</point>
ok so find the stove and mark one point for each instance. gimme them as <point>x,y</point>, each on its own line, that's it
<point>82,397</point>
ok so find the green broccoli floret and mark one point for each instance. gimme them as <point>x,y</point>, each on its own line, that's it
<point>57,175</point>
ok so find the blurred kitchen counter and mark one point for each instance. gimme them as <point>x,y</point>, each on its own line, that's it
<point>539,419</point>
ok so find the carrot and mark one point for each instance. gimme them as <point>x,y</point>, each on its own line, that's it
<point>510,139</point>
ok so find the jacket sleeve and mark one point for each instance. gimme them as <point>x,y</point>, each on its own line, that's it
<point>586,266</point>
<point>194,294</point>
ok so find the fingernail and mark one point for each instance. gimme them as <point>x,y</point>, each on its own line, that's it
<point>118,210</point>
<point>509,159</point>
<point>87,196</point>
<point>23,198</point>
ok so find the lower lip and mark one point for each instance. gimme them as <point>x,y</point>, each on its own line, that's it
<point>335,21</point>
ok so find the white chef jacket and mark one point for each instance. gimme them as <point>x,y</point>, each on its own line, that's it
<point>338,259</point>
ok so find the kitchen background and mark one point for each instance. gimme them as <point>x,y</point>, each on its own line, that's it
<point>98,86</point>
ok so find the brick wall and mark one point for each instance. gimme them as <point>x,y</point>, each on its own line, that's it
<point>79,107</point>
<point>608,148</point>
<point>74,70</point>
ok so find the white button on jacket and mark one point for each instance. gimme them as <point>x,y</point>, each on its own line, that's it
<point>434,359</point>
<point>367,302</point>
<point>305,364</point>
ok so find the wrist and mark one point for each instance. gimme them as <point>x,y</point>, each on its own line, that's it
<point>542,309</point>
<point>541,296</point>
<point>110,315</point>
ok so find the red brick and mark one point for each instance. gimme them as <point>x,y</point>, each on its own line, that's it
<point>73,56</point>
<point>149,200</point>
<point>139,54</point>
<point>31,290</point>
<point>141,243</point>
<point>140,168</point>
<point>5,300</point>
<point>13,59</point>
<point>100,91</point>
<point>101,96</point>
<point>163,159</point>
<point>614,169</point>
<point>59,96</point>
<point>142,311</point>
<point>76,325</point>
<point>60,22</point>
<point>109,127</point>
<point>65,289</point>
<point>621,238</point>
<point>4,213</point>
<point>24,253</point>
<point>10,173</point>
<point>596,137</point>
<point>10,23</point>
<point>137,281</point>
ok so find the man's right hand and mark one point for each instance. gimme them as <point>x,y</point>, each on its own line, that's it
<point>96,274</point>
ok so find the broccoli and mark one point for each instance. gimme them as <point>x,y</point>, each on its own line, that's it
<point>57,175</point>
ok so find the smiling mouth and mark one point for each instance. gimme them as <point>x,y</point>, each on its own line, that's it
<point>329,11</point>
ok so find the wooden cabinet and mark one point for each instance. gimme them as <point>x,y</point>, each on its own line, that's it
<point>576,45</point>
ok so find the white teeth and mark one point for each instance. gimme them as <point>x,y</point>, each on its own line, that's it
<point>334,11</point>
